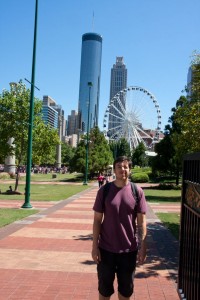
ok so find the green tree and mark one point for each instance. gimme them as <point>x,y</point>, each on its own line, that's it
<point>14,118</point>
<point>99,152</point>
<point>67,153</point>
<point>168,158</point>
<point>139,157</point>
<point>123,148</point>
<point>193,87</point>
<point>188,118</point>
<point>187,115</point>
<point>120,148</point>
<point>99,156</point>
<point>163,161</point>
<point>45,140</point>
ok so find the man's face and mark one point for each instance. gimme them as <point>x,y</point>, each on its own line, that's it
<point>122,170</point>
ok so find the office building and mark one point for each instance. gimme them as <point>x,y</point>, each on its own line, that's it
<point>90,72</point>
<point>118,82</point>
<point>72,123</point>
<point>118,79</point>
<point>49,114</point>
<point>53,114</point>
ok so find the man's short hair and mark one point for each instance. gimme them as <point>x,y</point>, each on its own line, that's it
<point>121,159</point>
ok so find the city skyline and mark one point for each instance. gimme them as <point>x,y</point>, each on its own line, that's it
<point>156,39</point>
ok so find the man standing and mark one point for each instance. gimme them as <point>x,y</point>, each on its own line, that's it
<point>116,248</point>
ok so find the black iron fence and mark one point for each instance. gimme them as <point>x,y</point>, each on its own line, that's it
<point>189,256</point>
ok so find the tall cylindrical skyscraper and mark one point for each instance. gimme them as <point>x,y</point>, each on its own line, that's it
<point>89,88</point>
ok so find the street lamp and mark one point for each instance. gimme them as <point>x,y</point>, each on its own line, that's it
<point>87,140</point>
<point>30,125</point>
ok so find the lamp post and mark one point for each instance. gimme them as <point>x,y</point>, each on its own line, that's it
<point>87,139</point>
<point>30,125</point>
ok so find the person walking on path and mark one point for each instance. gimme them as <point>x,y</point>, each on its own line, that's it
<point>115,246</point>
<point>100,179</point>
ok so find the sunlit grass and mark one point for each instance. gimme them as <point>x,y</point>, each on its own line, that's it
<point>171,221</point>
<point>153,195</point>
<point>44,192</point>
<point>8,215</point>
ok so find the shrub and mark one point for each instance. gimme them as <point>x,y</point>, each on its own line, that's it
<point>4,176</point>
<point>139,177</point>
<point>168,186</point>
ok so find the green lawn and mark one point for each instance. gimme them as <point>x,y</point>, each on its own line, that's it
<point>153,195</point>
<point>171,221</point>
<point>39,192</point>
<point>8,215</point>
<point>45,192</point>
<point>78,177</point>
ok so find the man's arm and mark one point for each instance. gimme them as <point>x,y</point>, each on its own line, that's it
<point>96,231</point>
<point>142,235</point>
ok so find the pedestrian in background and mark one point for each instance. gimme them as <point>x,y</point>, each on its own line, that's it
<point>100,179</point>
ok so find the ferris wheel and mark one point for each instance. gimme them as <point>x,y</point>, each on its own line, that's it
<point>133,114</point>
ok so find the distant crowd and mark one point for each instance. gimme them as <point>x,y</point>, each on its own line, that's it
<point>40,170</point>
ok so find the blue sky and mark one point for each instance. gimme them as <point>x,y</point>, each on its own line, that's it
<point>155,37</point>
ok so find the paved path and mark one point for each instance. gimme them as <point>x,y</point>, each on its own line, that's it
<point>47,255</point>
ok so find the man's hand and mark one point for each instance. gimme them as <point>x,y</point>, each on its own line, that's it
<point>142,235</point>
<point>96,255</point>
<point>141,257</point>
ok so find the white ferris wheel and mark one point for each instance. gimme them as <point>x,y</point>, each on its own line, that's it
<point>133,114</point>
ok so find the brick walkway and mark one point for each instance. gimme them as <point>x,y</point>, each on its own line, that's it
<point>47,255</point>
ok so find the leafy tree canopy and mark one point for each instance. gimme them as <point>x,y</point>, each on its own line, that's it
<point>99,156</point>
<point>14,120</point>
<point>139,157</point>
<point>120,148</point>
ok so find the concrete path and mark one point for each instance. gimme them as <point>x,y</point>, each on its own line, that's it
<point>47,255</point>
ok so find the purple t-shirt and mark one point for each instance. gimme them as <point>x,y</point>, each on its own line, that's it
<point>118,229</point>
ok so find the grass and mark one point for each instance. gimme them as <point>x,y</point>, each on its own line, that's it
<point>171,221</point>
<point>73,177</point>
<point>8,215</point>
<point>39,192</point>
<point>45,192</point>
<point>153,195</point>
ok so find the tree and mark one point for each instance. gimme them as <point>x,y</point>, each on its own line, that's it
<point>120,148</point>
<point>99,156</point>
<point>45,140</point>
<point>14,118</point>
<point>182,132</point>
<point>188,118</point>
<point>139,157</point>
<point>193,87</point>
<point>67,153</point>
<point>99,152</point>
<point>163,161</point>
<point>77,162</point>
<point>168,157</point>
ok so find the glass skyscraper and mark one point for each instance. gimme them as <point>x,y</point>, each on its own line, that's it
<point>89,88</point>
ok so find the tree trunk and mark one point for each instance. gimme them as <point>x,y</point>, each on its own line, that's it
<point>177,176</point>
<point>17,179</point>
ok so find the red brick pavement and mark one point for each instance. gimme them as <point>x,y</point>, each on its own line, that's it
<point>47,256</point>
